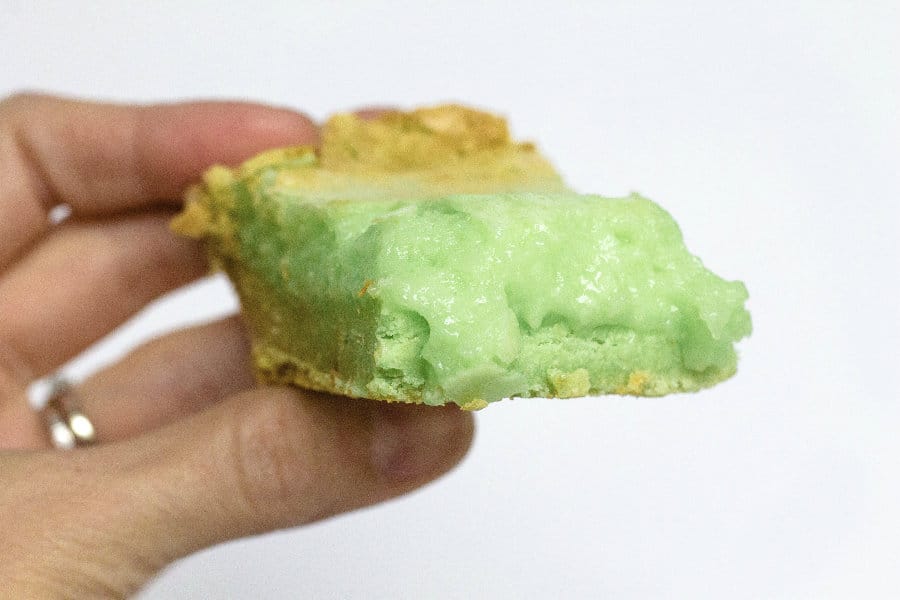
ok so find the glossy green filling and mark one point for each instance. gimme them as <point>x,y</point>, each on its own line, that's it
<point>472,298</point>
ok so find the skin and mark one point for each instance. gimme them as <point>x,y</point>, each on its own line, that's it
<point>191,452</point>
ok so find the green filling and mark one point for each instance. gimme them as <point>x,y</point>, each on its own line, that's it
<point>469,298</point>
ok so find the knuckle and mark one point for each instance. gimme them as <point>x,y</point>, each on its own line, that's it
<point>268,461</point>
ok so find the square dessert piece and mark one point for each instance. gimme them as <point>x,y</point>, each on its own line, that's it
<point>425,257</point>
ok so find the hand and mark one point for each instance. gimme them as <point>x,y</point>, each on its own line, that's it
<point>191,453</point>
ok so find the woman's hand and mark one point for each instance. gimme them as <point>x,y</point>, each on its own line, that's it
<point>190,453</point>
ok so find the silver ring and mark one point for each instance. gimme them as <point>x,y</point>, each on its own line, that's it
<point>67,426</point>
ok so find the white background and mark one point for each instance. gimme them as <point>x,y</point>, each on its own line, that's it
<point>773,137</point>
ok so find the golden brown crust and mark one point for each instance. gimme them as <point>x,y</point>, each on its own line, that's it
<point>275,367</point>
<point>441,150</point>
<point>426,138</point>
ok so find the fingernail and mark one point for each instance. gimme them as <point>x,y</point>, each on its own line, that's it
<point>412,442</point>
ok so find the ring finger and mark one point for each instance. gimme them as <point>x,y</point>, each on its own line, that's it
<point>168,378</point>
<point>156,384</point>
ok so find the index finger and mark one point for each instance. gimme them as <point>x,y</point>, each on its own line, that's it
<point>103,158</point>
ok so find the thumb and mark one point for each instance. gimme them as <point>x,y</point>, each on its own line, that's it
<point>110,517</point>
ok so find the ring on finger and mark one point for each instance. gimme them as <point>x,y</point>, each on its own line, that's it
<point>65,423</point>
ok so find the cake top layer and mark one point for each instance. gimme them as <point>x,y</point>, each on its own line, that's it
<point>428,152</point>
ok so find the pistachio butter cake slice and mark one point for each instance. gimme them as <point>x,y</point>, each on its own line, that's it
<point>425,257</point>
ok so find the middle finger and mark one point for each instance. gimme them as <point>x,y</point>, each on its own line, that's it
<point>86,278</point>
